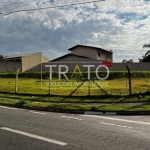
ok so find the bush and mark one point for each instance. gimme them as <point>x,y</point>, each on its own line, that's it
<point>93,108</point>
<point>45,75</point>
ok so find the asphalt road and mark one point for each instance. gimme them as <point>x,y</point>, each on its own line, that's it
<point>33,130</point>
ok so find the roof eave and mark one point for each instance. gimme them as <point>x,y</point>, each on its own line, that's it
<point>70,49</point>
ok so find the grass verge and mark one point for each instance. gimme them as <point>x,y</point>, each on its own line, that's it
<point>145,97</point>
<point>75,107</point>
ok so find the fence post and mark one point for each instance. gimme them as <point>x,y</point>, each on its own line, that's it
<point>89,86</point>
<point>129,77</point>
<point>16,84</point>
<point>49,86</point>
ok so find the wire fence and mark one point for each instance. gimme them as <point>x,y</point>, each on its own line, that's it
<point>66,87</point>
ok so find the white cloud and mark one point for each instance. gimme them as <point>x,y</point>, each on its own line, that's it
<point>120,25</point>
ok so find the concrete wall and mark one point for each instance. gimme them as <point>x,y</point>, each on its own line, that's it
<point>132,66</point>
<point>115,66</point>
<point>10,66</point>
<point>71,65</point>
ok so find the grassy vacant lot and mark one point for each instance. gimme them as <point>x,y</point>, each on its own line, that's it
<point>34,93</point>
<point>62,87</point>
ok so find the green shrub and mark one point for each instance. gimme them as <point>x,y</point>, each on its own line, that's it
<point>45,75</point>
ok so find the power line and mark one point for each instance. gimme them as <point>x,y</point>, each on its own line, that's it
<point>7,2</point>
<point>12,3</point>
<point>33,9</point>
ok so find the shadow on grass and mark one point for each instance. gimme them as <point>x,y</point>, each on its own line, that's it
<point>20,102</point>
<point>137,106</point>
<point>64,107</point>
<point>78,99</point>
<point>94,108</point>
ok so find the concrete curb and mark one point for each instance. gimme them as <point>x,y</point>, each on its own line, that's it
<point>118,113</point>
<point>84,112</point>
<point>54,110</point>
<point>99,113</point>
<point>133,113</point>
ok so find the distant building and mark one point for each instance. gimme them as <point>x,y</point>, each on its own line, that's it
<point>86,53</point>
<point>24,62</point>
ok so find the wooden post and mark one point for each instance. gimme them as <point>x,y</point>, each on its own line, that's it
<point>16,84</point>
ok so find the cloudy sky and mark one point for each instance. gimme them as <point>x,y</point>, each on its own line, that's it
<point>120,25</point>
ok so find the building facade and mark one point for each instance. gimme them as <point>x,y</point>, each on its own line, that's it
<point>86,53</point>
<point>24,62</point>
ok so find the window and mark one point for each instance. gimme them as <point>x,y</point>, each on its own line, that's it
<point>99,54</point>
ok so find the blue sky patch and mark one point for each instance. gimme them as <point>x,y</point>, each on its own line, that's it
<point>51,1</point>
<point>127,16</point>
<point>140,26</point>
<point>142,17</point>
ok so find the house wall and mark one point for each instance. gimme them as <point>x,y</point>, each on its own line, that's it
<point>45,59</point>
<point>110,56</point>
<point>27,63</point>
<point>105,56</point>
<point>31,62</point>
<point>87,52</point>
<point>10,66</point>
<point>92,53</point>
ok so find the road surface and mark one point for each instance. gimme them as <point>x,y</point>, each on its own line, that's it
<point>34,130</point>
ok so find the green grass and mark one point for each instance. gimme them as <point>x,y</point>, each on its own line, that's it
<point>32,94</point>
<point>112,87</point>
<point>84,107</point>
<point>78,99</point>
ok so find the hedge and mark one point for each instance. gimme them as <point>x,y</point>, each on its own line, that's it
<point>112,75</point>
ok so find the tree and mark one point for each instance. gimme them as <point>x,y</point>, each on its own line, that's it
<point>124,61</point>
<point>130,61</point>
<point>146,57</point>
<point>140,59</point>
<point>146,45</point>
<point>127,61</point>
<point>1,57</point>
